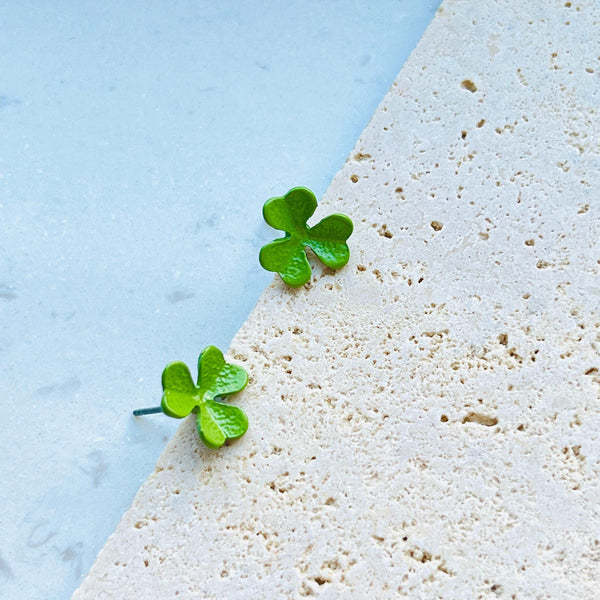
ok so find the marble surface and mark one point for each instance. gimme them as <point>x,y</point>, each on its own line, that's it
<point>138,142</point>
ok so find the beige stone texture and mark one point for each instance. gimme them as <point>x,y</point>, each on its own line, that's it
<point>424,423</point>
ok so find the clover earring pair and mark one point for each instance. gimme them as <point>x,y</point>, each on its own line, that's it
<point>216,421</point>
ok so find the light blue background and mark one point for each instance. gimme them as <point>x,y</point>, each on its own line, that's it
<point>138,142</point>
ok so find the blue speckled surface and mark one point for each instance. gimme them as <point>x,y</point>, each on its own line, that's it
<point>138,142</point>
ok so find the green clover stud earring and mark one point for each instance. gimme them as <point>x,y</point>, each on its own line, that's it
<point>216,421</point>
<point>287,255</point>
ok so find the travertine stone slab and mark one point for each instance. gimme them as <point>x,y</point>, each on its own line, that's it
<point>425,422</point>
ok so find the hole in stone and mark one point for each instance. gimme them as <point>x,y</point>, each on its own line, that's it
<point>480,419</point>
<point>383,231</point>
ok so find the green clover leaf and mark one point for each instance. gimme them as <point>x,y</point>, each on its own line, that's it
<point>216,421</point>
<point>287,255</point>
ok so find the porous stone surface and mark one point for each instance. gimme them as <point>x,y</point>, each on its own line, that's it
<point>425,422</point>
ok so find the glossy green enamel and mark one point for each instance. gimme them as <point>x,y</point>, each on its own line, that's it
<point>287,255</point>
<point>216,421</point>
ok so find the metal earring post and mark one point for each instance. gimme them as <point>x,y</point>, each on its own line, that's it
<point>147,411</point>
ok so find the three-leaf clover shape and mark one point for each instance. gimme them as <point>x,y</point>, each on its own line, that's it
<point>287,255</point>
<point>216,421</point>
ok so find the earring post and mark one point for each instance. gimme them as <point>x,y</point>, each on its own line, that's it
<point>147,411</point>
